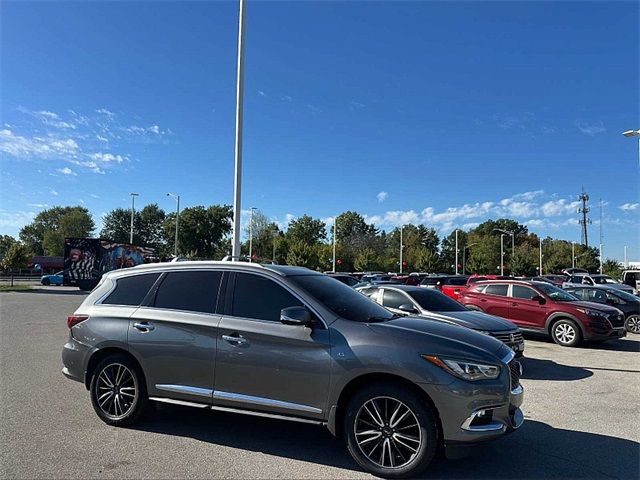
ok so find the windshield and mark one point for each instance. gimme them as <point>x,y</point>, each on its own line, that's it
<point>435,301</point>
<point>341,299</point>
<point>556,293</point>
<point>603,279</point>
<point>624,295</point>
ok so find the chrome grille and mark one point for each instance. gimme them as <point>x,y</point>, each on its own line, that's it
<point>512,338</point>
<point>514,370</point>
<point>616,320</point>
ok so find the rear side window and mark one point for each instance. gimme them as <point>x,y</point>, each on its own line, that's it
<point>456,281</point>
<point>195,291</point>
<point>500,290</point>
<point>131,290</point>
<point>260,298</point>
<point>479,288</point>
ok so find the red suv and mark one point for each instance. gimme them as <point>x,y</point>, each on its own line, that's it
<point>545,308</point>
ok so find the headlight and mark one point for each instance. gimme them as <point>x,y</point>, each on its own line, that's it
<point>464,369</point>
<point>591,313</point>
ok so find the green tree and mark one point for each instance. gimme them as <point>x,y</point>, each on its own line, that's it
<point>116,225</point>
<point>306,229</point>
<point>64,221</point>
<point>202,231</point>
<point>302,254</point>
<point>426,260</point>
<point>149,227</point>
<point>366,260</point>
<point>521,264</point>
<point>5,243</point>
<point>17,256</point>
<point>613,268</point>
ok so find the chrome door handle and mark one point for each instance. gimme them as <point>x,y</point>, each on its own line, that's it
<point>143,326</point>
<point>238,340</point>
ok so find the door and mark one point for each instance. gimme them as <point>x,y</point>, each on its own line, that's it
<point>494,300</point>
<point>524,311</point>
<point>263,364</point>
<point>174,335</point>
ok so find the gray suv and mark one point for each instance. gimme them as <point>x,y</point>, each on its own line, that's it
<point>289,343</point>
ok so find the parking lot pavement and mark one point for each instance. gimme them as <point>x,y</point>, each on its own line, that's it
<point>581,407</point>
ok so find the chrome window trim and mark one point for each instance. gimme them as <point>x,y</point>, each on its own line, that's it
<point>201,392</point>
<point>263,401</point>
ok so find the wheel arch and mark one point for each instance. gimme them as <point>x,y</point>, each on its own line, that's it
<point>336,413</point>
<point>100,355</point>
<point>554,317</point>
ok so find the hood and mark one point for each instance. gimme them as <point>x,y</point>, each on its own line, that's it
<point>620,286</point>
<point>596,306</point>
<point>475,320</point>
<point>450,339</point>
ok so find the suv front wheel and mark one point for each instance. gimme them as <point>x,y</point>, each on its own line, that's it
<point>566,332</point>
<point>390,431</point>
<point>118,391</point>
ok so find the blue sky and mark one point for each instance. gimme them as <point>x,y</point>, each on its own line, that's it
<point>445,113</point>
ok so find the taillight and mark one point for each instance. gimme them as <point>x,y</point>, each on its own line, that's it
<point>73,320</point>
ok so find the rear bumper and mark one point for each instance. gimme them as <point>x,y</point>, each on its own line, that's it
<point>74,356</point>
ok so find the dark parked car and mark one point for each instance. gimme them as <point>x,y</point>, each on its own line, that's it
<point>408,300</point>
<point>556,280</point>
<point>344,278</point>
<point>545,308</point>
<point>629,304</point>
<point>289,343</point>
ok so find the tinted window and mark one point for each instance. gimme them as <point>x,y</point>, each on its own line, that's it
<point>393,299</point>
<point>456,281</point>
<point>556,293</point>
<point>497,290</point>
<point>340,299</point>
<point>262,298</point>
<point>195,291</point>
<point>435,301</point>
<point>131,290</point>
<point>525,293</point>
<point>581,293</point>
<point>479,288</point>
<point>430,281</point>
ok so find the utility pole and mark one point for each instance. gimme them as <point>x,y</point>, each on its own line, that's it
<point>456,251</point>
<point>601,238</point>
<point>573,254</point>
<point>626,262</point>
<point>133,209</point>
<point>584,221</point>
<point>401,247</point>
<point>177,199</point>
<point>237,180</point>
<point>335,221</point>
<point>251,235</point>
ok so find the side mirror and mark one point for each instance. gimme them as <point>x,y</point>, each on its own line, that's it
<point>408,308</point>
<point>539,298</point>
<point>296,316</point>
<point>611,301</point>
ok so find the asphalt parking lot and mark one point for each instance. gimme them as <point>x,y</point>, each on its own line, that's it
<point>581,409</point>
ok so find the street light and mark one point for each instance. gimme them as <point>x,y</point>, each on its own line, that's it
<point>457,251</point>
<point>513,246</point>
<point>133,208</point>
<point>335,222</point>
<point>251,234</point>
<point>177,199</point>
<point>634,133</point>
<point>237,179</point>
<point>464,256</point>
<point>401,247</point>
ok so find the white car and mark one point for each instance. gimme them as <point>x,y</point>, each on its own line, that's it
<point>596,279</point>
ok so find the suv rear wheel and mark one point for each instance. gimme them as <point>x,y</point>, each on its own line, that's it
<point>390,431</point>
<point>566,332</point>
<point>118,391</point>
<point>632,324</point>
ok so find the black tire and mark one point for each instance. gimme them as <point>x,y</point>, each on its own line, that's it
<point>632,324</point>
<point>566,333</point>
<point>131,406</point>
<point>46,282</point>
<point>419,424</point>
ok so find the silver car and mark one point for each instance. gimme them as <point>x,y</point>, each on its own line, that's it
<point>289,343</point>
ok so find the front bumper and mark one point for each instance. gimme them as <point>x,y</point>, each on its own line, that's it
<point>613,333</point>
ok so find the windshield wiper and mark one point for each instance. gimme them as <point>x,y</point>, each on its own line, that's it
<point>377,318</point>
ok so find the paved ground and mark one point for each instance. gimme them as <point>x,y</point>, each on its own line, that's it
<point>581,408</point>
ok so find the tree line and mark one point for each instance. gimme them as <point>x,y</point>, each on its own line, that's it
<point>205,233</point>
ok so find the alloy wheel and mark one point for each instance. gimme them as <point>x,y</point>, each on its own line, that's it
<point>116,390</point>
<point>387,432</point>
<point>633,324</point>
<point>565,333</point>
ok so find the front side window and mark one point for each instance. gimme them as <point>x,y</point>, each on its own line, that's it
<point>500,290</point>
<point>195,291</point>
<point>524,293</point>
<point>131,290</point>
<point>394,298</point>
<point>261,298</point>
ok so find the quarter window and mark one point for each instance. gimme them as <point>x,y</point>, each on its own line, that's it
<point>524,293</point>
<point>500,290</point>
<point>131,290</point>
<point>195,291</point>
<point>260,298</point>
<point>394,298</point>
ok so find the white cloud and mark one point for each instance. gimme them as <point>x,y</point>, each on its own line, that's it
<point>106,157</point>
<point>15,219</point>
<point>382,196</point>
<point>66,171</point>
<point>590,129</point>
<point>102,139</point>
<point>261,93</point>
<point>629,207</point>
<point>93,195</point>
<point>104,111</point>
<point>554,208</point>
<point>39,147</point>
<point>38,205</point>
<point>53,192</point>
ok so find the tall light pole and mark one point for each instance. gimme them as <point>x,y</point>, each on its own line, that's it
<point>251,234</point>
<point>456,251</point>
<point>464,256</point>
<point>573,254</point>
<point>540,267</point>
<point>177,199</point>
<point>626,263</point>
<point>237,181</point>
<point>502,254</point>
<point>634,133</point>
<point>335,222</point>
<point>133,209</point>
<point>401,247</point>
